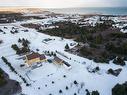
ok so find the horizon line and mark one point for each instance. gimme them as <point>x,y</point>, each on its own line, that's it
<point>59,8</point>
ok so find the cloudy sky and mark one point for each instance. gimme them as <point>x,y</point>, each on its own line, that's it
<point>63,3</point>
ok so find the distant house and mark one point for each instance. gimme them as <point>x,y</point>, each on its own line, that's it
<point>58,61</point>
<point>35,58</point>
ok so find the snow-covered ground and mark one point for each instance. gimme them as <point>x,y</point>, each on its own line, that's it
<point>121,22</point>
<point>50,78</point>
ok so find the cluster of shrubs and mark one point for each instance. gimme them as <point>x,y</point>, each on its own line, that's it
<point>118,35</point>
<point>103,56</point>
<point>20,50</point>
<point>94,70</point>
<point>109,54</point>
<point>119,61</point>
<point>50,53</point>
<point>114,72</point>
<point>24,49</point>
<point>68,29</point>
<point>24,42</point>
<point>65,28</point>
<point>92,93</point>
<point>103,26</point>
<point>121,49</point>
<point>120,89</point>
<point>13,32</point>
<point>84,51</point>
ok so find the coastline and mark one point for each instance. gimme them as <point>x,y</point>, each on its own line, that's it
<point>115,11</point>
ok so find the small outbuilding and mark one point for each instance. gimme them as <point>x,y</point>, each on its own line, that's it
<point>58,61</point>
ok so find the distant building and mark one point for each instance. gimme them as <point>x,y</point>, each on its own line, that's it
<point>58,61</point>
<point>35,58</point>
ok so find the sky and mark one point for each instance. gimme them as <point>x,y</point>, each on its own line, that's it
<point>63,3</point>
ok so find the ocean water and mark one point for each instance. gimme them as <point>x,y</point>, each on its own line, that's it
<point>93,10</point>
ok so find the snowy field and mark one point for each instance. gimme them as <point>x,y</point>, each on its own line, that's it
<point>50,78</point>
<point>120,25</point>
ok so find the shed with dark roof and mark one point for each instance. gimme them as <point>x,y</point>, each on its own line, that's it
<point>57,60</point>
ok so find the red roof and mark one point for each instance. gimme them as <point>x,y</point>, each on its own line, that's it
<point>42,57</point>
<point>35,55</point>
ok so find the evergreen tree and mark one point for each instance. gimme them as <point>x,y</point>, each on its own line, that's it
<point>120,89</point>
<point>67,47</point>
<point>95,93</point>
<point>19,40</point>
<point>119,61</point>
<point>87,92</point>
